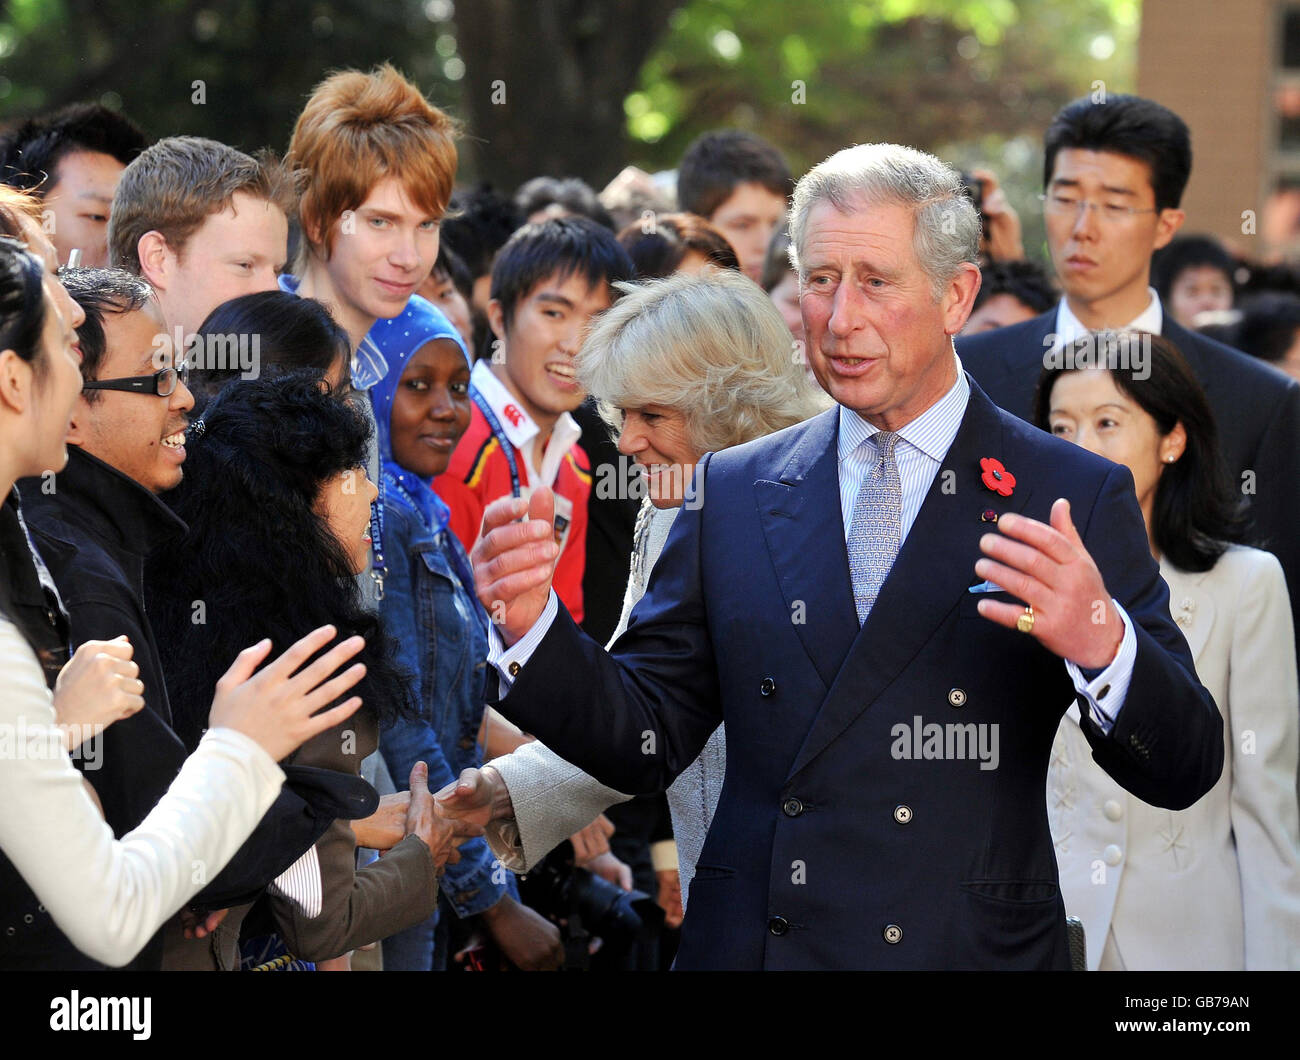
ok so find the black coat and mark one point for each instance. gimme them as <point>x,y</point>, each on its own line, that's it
<point>1256,409</point>
<point>95,530</point>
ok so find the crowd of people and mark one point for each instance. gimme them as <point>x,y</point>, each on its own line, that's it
<point>382,556</point>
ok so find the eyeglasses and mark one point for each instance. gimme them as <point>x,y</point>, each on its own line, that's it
<point>1110,212</point>
<point>161,383</point>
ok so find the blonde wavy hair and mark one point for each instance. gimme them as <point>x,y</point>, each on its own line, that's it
<point>711,346</point>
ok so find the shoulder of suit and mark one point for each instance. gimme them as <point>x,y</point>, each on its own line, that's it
<point>1244,565</point>
<point>1014,337</point>
<point>1230,363</point>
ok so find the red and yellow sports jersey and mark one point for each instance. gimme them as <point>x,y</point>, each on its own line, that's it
<point>478,474</point>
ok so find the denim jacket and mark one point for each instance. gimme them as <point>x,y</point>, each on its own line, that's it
<point>441,634</point>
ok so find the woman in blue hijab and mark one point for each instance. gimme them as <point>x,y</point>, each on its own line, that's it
<point>422,407</point>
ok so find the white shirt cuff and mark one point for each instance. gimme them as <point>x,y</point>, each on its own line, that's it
<point>509,661</point>
<point>1106,692</point>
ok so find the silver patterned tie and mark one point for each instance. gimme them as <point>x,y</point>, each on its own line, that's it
<point>876,530</point>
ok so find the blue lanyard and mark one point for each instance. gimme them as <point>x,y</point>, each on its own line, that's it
<point>378,568</point>
<point>499,433</point>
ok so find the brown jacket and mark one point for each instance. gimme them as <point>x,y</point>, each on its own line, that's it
<point>358,906</point>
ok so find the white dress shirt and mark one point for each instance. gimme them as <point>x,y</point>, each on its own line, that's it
<point>1069,328</point>
<point>923,444</point>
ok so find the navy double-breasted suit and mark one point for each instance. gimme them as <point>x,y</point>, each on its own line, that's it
<point>829,848</point>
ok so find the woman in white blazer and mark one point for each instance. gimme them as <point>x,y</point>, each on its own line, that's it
<point>1216,885</point>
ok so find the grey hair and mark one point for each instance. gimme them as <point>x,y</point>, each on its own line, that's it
<point>946,232</point>
<point>712,347</point>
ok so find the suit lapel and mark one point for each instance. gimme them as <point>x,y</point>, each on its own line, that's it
<point>933,570</point>
<point>803,525</point>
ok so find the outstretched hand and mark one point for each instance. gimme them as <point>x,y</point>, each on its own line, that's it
<point>514,561</point>
<point>1049,568</point>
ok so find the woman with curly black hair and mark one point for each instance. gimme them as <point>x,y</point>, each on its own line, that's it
<point>278,507</point>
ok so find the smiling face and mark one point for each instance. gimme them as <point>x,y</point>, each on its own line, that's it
<point>80,198</point>
<point>1088,409</point>
<point>878,341</point>
<point>431,408</point>
<point>656,437</point>
<point>379,256</point>
<point>748,218</point>
<point>1104,265</point>
<point>344,504</point>
<point>141,435</point>
<point>239,250</point>
<point>541,342</point>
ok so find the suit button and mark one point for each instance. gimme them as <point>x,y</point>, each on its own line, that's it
<point>902,814</point>
<point>1112,855</point>
<point>1113,810</point>
<point>778,925</point>
<point>957,697</point>
<point>10,931</point>
<point>514,669</point>
<point>893,934</point>
<point>27,918</point>
<point>767,687</point>
<point>792,807</point>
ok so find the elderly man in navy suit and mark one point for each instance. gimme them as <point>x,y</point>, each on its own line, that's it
<point>1114,174</point>
<point>891,680</point>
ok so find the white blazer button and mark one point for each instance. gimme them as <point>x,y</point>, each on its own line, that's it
<point>1113,810</point>
<point>957,697</point>
<point>1113,855</point>
<point>902,814</point>
<point>893,934</point>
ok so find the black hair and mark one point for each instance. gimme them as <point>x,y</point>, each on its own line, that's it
<point>477,225</point>
<point>257,554</point>
<point>22,301</point>
<point>449,264</point>
<point>1188,252</point>
<point>1026,281</point>
<point>31,152</point>
<point>290,334</point>
<point>1268,325</point>
<point>1137,128</point>
<point>716,162</point>
<point>575,195</point>
<point>100,292</point>
<point>657,251</point>
<point>562,247</point>
<point>1197,513</point>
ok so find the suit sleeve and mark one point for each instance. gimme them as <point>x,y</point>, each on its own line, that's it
<point>552,800</point>
<point>1263,718</point>
<point>1277,467</point>
<point>634,717</point>
<point>359,906</point>
<point>1166,746</point>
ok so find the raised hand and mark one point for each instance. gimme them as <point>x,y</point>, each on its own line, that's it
<point>276,706</point>
<point>99,685</point>
<point>514,561</point>
<point>1049,568</point>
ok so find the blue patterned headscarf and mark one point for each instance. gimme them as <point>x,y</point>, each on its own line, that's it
<point>398,340</point>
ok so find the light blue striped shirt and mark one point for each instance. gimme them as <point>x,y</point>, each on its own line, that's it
<point>923,444</point>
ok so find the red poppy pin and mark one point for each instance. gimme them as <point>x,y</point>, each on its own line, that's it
<point>996,477</point>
